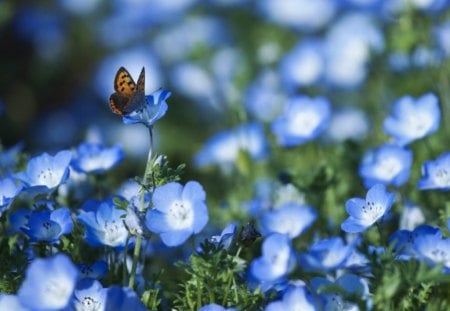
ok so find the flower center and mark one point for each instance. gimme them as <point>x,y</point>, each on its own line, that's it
<point>57,291</point>
<point>302,124</point>
<point>442,177</point>
<point>89,304</point>
<point>114,232</point>
<point>48,178</point>
<point>181,215</point>
<point>388,168</point>
<point>372,211</point>
<point>418,124</point>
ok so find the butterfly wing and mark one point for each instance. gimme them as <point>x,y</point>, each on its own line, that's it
<point>118,103</point>
<point>124,83</point>
<point>138,100</point>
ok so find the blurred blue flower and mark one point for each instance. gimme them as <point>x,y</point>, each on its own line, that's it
<point>411,216</point>
<point>436,173</point>
<point>294,298</point>
<point>349,123</point>
<point>178,212</point>
<point>413,119</point>
<point>326,255</point>
<point>9,159</point>
<point>364,213</point>
<point>442,35</point>
<point>348,46</point>
<point>223,148</point>
<point>154,109</point>
<point>291,219</point>
<point>304,118</point>
<point>96,158</point>
<point>48,226</point>
<point>123,299</point>
<point>303,15</point>
<point>303,65</point>
<point>49,283</point>
<point>387,164</point>
<point>263,98</point>
<point>11,302</point>
<point>277,259</point>
<point>89,295</point>
<point>45,173</point>
<point>97,270</point>
<point>8,192</point>
<point>104,224</point>
<point>404,240</point>
<point>215,307</point>
<point>433,248</point>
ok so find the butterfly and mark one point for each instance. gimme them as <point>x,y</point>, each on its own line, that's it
<point>129,96</point>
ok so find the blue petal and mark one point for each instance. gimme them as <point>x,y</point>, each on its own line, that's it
<point>156,221</point>
<point>165,195</point>
<point>193,192</point>
<point>175,238</point>
<point>352,225</point>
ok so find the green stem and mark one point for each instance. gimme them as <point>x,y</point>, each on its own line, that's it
<point>138,243</point>
<point>124,270</point>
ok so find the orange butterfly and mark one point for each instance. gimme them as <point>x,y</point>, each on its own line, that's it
<point>129,96</point>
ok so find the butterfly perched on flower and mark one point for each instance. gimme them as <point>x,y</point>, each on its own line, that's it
<point>129,96</point>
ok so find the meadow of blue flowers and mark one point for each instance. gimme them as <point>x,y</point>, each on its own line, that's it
<point>287,155</point>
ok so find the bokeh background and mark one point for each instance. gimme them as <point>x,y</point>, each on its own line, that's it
<point>226,62</point>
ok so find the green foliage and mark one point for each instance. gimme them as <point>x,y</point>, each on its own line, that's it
<point>214,276</point>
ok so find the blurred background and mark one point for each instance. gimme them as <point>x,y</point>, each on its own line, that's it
<point>226,62</point>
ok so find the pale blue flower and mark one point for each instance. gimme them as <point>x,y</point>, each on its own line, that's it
<point>45,172</point>
<point>294,298</point>
<point>436,173</point>
<point>49,283</point>
<point>179,211</point>
<point>89,295</point>
<point>96,158</point>
<point>387,164</point>
<point>303,119</point>
<point>413,119</point>
<point>154,108</point>
<point>215,307</point>
<point>8,192</point>
<point>365,212</point>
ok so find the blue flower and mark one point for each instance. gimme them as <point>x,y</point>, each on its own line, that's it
<point>294,298</point>
<point>326,255</point>
<point>89,295</point>
<point>404,240</point>
<point>154,109</point>
<point>95,158</point>
<point>432,248</point>
<point>97,270</point>
<point>104,224</point>
<point>304,118</point>
<point>49,283</point>
<point>348,124</point>
<point>123,299</point>
<point>226,236</point>
<point>291,219</point>
<point>11,302</point>
<point>48,226</point>
<point>45,173</point>
<point>8,191</point>
<point>364,213</point>
<point>223,148</point>
<point>277,259</point>
<point>18,220</point>
<point>215,307</point>
<point>178,212</point>
<point>388,164</point>
<point>413,119</point>
<point>436,173</point>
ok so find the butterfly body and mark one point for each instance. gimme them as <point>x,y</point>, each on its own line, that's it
<point>129,96</point>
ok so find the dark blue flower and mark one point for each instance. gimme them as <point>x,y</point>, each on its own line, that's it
<point>388,164</point>
<point>290,218</point>
<point>104,224</point>
<point>364,213</point>
<point>226,236</point>
<point>49,283</point>
<point>123,299</point>
<point>155,108</point>
<point>326,255</point>
<point>276,261</point>
<point>45,173</point>
<point>436,173</point>
<point>178,212</point>
<point>96,158</point>
<point>95,271</point>
<point>18,220</point>
<point>413,119</point>
<point>48,226</point>
<point>304,118</point>
<point>8,192</point>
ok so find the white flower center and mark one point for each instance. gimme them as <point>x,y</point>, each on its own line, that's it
<point>57,291</point>
<point>418,123</point>
<point>442,177</point>
<point>114,232</point>
<point>388,168</point>
<point>180,215</point>
<point>48,177</point>
<point>372,211</point>
<point>89,304</point>
<point>303,123</point>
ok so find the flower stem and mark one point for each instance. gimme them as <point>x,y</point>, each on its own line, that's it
<point>138,243</point>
